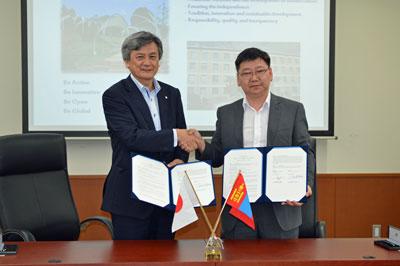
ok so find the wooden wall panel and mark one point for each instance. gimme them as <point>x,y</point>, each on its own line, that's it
<point>366,199</point>
<point>348,203</point>
<point>326,203</point>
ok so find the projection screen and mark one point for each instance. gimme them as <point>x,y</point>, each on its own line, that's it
<point>71,55</point>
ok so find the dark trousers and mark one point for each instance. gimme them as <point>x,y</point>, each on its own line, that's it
<point>156,226</point>
<point>267,226</point>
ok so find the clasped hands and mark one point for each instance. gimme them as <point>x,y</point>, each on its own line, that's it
<point>190,140</point>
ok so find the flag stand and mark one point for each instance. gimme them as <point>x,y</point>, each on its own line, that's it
<point>241,209</point>
<point>214,246</point>
<point>213,249</point>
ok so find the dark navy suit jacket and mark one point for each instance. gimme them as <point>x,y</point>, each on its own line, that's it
<point>131,129</point>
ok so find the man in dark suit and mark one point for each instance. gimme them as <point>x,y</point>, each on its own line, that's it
<point>259,119</point>
<point>143,116</point>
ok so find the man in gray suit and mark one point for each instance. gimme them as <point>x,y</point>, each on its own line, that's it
<point>259,119</point>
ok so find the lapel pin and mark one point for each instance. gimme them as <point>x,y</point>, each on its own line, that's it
<point>166,97</point>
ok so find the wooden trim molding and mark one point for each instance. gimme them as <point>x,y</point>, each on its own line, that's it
<point>349,203</point>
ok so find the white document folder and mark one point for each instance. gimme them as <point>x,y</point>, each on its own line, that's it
<point>155,183</point>
<point>274,174</point>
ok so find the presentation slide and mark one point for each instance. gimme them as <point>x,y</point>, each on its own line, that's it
<point>74,55</point>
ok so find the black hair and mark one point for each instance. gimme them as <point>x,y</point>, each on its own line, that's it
<point>251,54</point>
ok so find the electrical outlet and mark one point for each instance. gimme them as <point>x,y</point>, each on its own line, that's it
<point>376,230</point>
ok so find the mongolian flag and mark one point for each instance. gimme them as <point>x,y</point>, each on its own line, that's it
<point>239,201</point>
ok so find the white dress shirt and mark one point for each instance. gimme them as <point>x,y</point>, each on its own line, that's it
<point>150,96</point>
<point>255,124</point>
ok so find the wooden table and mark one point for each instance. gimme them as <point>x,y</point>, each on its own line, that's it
<point>334,251</point>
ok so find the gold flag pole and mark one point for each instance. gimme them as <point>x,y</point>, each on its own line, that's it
<point>214,246</point>
<point>201,206</point>
<point>218,218</point>
<point>222,209</point>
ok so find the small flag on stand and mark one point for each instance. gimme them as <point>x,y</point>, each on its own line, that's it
<point>184,212</point>
<point>239,201</point>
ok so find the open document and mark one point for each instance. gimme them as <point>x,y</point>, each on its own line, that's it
<point>271,174</point>
<point>155,183</point>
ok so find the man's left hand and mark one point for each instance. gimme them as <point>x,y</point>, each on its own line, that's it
<point>296,203</point>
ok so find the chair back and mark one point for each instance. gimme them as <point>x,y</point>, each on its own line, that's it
<point>309,209</point>
<point>35,193</point>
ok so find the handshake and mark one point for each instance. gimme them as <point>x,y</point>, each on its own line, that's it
<point>190,140</point>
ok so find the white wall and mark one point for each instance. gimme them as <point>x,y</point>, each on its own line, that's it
<point>366,92</point>
<point>367,88</point>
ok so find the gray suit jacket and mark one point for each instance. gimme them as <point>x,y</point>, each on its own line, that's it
<point>287,126</point>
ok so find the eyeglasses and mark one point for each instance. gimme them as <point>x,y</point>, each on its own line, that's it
<point>249,74</point>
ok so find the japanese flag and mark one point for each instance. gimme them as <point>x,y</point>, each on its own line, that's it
<point>184,212</point>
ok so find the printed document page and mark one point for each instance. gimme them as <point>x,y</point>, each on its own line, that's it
<point>286,175</point>
<point>150,180</point>
<point>249,162</point>
<point>200,175</point>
